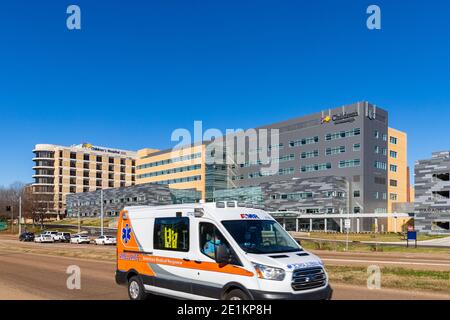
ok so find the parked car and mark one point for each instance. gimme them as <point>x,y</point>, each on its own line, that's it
<point>26,236</point>
<point>79,239</point>
<point>62,237</point>
<point>105,240</point>
<point>44,238</point>
<point>52,234</point>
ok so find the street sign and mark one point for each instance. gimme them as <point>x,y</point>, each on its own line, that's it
<point>412,235</point>
<point>347,223</point>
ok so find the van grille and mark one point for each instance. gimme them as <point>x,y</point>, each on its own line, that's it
<point>305,279</point>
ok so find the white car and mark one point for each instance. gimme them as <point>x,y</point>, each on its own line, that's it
<point>62,237</point>
<point>79,239</point>
<point>105,240</point>
<point>52,234</point>
<point>44,238</point>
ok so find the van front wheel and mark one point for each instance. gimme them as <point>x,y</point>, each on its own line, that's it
<point>236,294</point>
<point>136,289</point>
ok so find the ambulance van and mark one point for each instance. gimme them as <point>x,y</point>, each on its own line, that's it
<point>221,250</point>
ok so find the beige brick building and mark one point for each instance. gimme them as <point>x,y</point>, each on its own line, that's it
<point>62,170</point>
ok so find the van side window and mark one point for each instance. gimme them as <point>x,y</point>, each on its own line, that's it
<point>171,234</point>
<point>210,239</point>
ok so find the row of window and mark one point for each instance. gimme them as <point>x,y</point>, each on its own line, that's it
<point>169,171</point>
<point>115,201</point>
<point>342,134</point>
<point>383,166</point>
<point>304,155</point>
<point>172,160</point>
<point>179,180</point>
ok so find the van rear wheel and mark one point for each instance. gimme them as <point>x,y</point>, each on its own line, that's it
<point>136,289</point>
<point>236,294</point>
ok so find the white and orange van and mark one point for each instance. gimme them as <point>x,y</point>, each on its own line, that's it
<point>220,250</point>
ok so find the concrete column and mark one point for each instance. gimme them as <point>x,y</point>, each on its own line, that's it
<point>284,223</point>
<point>341,227</point>
<point>376,225</point>
<point>357,225</point>
<point>310,224</point>
<point>325,224</point>
<point>395,224</point>
<point>296,224</point>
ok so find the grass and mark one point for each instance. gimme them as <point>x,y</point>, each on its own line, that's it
<point>90,222</point>
<point>380,237</point>
<point>394,278</point>
<point>359,247</point>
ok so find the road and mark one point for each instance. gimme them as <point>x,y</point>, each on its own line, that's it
<point>437,262</point>
<point>38,276</point>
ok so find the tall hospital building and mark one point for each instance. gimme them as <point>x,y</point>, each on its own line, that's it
<point>339,160</point>
<point>61,170</point>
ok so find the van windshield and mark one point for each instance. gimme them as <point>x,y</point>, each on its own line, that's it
<point>260,236</point>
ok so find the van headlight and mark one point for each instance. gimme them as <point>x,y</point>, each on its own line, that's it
<point>269,273</point>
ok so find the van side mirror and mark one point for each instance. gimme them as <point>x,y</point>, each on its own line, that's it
<point>223,254</point>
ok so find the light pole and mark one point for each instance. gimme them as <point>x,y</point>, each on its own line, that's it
<point>12,218</point>
<point>101,211</point>
<point>79,221</point>
<point>20,216</point>
<point>348,223</point>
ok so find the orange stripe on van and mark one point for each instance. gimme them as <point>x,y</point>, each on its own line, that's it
<point>205,266</point>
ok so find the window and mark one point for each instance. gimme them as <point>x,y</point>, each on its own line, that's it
<point>384,137</point>
<point>393,183</point>
<point>393,196</point>
<point>171,234</point>
<point>310,154</point>
<point>379,150</point>
<point>356,194</point>
<point>99,158</point>
<point>393,140</point>
<point>342,134</point>
<point>393,154</point>
<point>349,163</point>
<point>380,165</point>
<point>357,147</point>
<point>210,239</point>
<point>73,155</point>
<point>167,161</point>
<point>376,134</point>
<point>260,236</point>
<point>357,209</point>
<point>393,168</point>
<point>86,157</point>
<point>316,167</point>
<point>333,151</point>
<point>303,141</point>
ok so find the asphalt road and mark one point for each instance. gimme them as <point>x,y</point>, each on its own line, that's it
<point>35,276</point>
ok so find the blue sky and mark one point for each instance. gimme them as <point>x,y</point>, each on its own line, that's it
<point>139,69</point>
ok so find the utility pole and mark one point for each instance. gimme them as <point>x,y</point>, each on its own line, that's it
<point>348,210</point>
<point>101,210</point>
<point>12,218</point>
<point>20,215</point>
<point>79,221</point>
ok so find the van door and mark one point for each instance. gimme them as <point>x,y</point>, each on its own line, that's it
<point>171,251</point>
<point>212,276</point>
